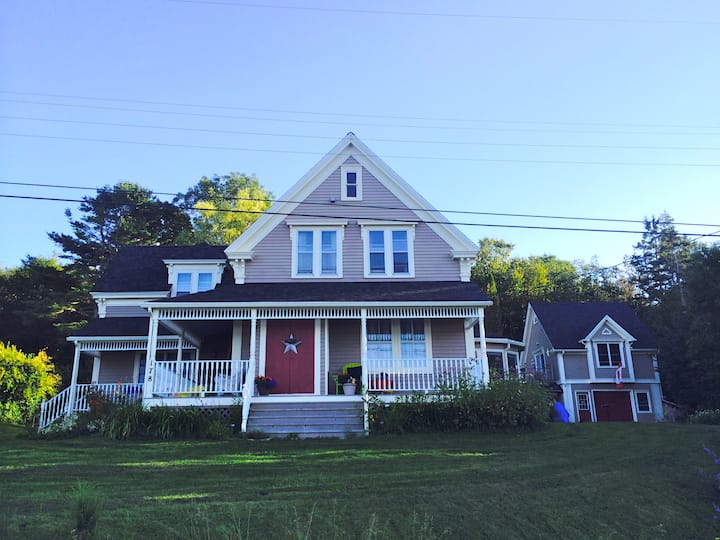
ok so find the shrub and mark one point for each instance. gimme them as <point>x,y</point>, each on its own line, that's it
<point>503,404</point>
<point>25,381</point>
<point>707,416</point>
<point>135,421</point>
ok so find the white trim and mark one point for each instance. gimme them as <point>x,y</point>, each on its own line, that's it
<point>649,401</point>
<point>140,295</point>
<point>326,359</point>
<point>344,170</point>
<point>606,344</point>
<point>95,377</point>
<point>214,267</point>
<point>591,406</point>
<point>607,320</point>
<point>262,354</point>
<point>317,338</point>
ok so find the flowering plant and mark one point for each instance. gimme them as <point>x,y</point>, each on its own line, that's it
<point>346,378</point>
<point>265,381</point>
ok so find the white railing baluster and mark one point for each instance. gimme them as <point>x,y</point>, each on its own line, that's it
<point>198,378</point>
<point>415,374</point>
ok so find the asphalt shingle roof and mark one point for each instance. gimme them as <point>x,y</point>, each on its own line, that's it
<point>375,291</point>
<point>566,323</point>
<point>141,268</point>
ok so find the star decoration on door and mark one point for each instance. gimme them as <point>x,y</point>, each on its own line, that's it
<point>291,344</point>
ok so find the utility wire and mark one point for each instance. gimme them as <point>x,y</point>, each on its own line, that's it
<point>327,137</point>
<point>370,206</point>
<point>385,156</point>
<point>363,11</point>
<point>325,216</point>
<point>360,115</point>
<point>353,122</point>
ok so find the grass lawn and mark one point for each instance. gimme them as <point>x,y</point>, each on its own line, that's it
<point>565,481</point>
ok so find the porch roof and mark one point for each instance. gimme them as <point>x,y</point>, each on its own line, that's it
<point>118,327</point>
<point>396,292</point>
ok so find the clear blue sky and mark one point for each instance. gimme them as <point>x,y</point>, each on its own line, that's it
<point>593,109</point>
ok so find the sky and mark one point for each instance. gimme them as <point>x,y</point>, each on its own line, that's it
<point>596,110</point>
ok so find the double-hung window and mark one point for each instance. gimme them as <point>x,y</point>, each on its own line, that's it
<point>398,345</point>
<point>389,251</point>
<point>316,252</point>
<point>608,354</point>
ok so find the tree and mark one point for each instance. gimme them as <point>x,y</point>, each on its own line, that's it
<point>659,259</point>
<point>25,381</point>
<point>41,303</point>
<point>513,282</point>
<point>122,215</point>
<point>222,207</point>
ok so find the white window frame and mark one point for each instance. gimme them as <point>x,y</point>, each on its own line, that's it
<point>317,251</point>
<point>397,358</point>
<point>177,268</point>
<point>586,394</point>
<point>637,401</point>
<point>388,250</point>
<point>621,349</point>
<point>344,170</point>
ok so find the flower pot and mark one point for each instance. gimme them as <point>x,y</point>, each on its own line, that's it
<point>263,390</point>
<point>349,389</point>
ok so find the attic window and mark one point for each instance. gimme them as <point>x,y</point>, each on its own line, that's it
<point>351,176</point>
<point>608,354</point>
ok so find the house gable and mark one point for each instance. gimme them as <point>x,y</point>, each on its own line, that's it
<point>316,199</point>
<point>608,330</point>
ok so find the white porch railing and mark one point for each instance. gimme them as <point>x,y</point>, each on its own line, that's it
<point>417,375</point>
<point>59,405</point>
<point>192,378</point>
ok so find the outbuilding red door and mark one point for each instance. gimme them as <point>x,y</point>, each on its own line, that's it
<point>613,406</point>
<point>290,355</point>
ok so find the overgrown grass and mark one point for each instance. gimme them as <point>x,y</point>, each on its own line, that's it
<point>565,481</point>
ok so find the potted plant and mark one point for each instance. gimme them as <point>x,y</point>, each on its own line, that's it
<point>264,383</point>
<point>349,384</point>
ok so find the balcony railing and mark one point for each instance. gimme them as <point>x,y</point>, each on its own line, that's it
<point>199,378</point>
<point>416,374</point>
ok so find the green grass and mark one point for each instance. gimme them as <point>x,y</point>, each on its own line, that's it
<point>607,481</point>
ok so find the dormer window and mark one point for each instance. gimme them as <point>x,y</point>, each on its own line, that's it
<point>608,354</point>
<point>189,276</point>
<point>192,282</point>
<point>351,176</point>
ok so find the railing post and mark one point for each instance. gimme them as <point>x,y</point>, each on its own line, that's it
<point>483,360</point>
<point>149,382</point>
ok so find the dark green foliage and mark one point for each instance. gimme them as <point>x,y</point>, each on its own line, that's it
<point>41,303</point>
<point>86,504</point>
<point>707,416</point>
<point>125,214</point>
<point>503,404</point>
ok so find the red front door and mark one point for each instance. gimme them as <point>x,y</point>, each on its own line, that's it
<point>613,406</point>
<point>290,356</point>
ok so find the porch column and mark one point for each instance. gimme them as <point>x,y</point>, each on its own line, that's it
<point>249,385</point>
<point>150,358</point>
<point>73,379</point>
<point>364,370</point>
<point>483,360</point>
<point>178,361</point>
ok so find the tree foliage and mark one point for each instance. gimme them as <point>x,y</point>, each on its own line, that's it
<point>125,214</point>
<point>41,303</point>
<point>513,282</point>
<point>222,207</point>
<point>25,381</point>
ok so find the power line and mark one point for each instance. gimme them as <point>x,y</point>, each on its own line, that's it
<point>386,156</point>
<point>353,122</point>
<point>359,115</point>
<point>370,206</point>
<point>327,137</point>
<point>428,222</point>
<point>447,14</point>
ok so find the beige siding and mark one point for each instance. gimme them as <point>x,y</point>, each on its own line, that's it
<point>576,366</point>
<point>448,338</point>
<point>344,345</point>
<point>116,367</point>
<point>643,365</point>
<point>272,257</point>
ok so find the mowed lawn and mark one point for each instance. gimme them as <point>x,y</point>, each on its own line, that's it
<point>564,481</point>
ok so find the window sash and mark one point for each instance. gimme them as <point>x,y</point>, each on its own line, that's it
<point>328,249</point>
<point>184,283</point>
<point>608,354</point>
<point>205,280</point>
<point>401,253</point>
<point>377,252</point>
<point>643,402</point>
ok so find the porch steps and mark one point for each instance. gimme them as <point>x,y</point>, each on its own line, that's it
<point>338,419</point>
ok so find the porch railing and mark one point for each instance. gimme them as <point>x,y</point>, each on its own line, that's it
<point>59,405</point>
<point>416,375</point>
<point>191,378</point>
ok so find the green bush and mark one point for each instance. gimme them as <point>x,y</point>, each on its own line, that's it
<point>708,416</point>
<point>25,381</point>
<point>462,407</point>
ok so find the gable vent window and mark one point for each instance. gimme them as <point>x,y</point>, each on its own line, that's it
<point>351,182</point>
